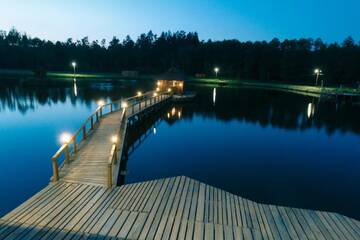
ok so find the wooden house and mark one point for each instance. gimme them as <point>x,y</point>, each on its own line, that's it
<point>172,80</point>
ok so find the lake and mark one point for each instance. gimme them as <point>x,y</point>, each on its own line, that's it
<point>269,146</point>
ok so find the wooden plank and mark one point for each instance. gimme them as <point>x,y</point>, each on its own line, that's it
<point>170,210</point>
<point>209,231</point>
<point>228,232</point>
<point>288,224</point>
<point>270,219</point>
<point>166,187</point>
<point>186,212</point>
<point>279,223</point>
<point>304,225</point>
<point>238,233</point>
<point>125,229</point>
<point>219,232</point>
<point>314,228</point>
<point>200,211</point>
<point>138,225</point>
<point>176,210</point>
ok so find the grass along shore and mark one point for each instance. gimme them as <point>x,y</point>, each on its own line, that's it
<point>267,85</point>
<point>283,86</point>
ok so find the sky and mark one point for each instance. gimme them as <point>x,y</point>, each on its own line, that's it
<point>331,20</point>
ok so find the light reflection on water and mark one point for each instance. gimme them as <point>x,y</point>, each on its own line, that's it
<point>269,146</point>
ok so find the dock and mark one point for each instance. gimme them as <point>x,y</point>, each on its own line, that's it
<point>84,201</point>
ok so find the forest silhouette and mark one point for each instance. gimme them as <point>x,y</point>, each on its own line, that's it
<point>288,60</point>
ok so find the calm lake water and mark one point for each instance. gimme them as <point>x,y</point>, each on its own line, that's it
<point>268,146</point>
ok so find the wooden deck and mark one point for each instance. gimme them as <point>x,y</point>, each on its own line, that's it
<point>172,208</point>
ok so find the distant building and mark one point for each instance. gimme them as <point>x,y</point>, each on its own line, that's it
<point>200,75</point>
<point>172,80</point>
<point>128,73</point>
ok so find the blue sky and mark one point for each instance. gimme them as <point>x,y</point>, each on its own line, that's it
<point>332,20</point>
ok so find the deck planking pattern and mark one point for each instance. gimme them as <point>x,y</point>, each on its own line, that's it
<point>171,208</point>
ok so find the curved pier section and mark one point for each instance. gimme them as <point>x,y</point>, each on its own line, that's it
<point>96,157</point>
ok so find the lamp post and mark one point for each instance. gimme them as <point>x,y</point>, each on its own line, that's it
<point>73,64</point>
<point>317,72</point>
<point>216,70</point>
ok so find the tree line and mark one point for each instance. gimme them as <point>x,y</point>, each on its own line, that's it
<point>288,60</point>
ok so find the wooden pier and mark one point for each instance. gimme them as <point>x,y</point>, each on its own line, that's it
<point>172,208</point>
<point>83,202</point>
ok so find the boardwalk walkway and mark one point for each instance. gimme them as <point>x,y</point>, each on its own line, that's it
<point>172,208</point>
<point>95,159</point>
<point>90,163</point>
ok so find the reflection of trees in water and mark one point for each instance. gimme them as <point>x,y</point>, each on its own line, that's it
<point>28,96</point>
<point>263,107</point>
<point>274,108</point>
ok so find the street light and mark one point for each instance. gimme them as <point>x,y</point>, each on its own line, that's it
<point>139,93</point>
<point>317,72</point>
<point>73,64</point>
<point>216,70</point>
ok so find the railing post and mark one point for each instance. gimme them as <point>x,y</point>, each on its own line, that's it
<point>92,122</point>
<point>67,154</point>
<point>55,170</point>
<point>84,132</point>
<point>109,175</point>
<point>74,145</point>
<point>111,107</point>
<point>101,111</point>
<point>97,116</point>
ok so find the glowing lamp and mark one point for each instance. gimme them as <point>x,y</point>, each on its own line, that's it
<point>124,105</point>
<point>114,139</point>
<point>101,103</point>
<point>65,138</point>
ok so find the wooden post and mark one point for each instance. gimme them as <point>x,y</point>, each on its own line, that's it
<point>115,154</point>
<point>74,145</point>
<point>67,154</point>
<point>84,132</point>
<point>100,110</point>
<point>97,116</point>
<point>55,170</point>
<point>92,122</point>
<point>109,175</point>
<point>111,107</point>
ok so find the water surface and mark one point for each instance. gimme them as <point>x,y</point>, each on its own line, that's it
<point>268,146</point>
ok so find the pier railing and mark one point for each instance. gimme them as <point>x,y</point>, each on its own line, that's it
<point>118,146</point>
<point>130,106</point>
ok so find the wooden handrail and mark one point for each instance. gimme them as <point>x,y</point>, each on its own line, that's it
<point>111,163</point>
<point>131,101</point>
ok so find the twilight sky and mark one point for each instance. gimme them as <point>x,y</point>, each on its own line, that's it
<point>332,20</point>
